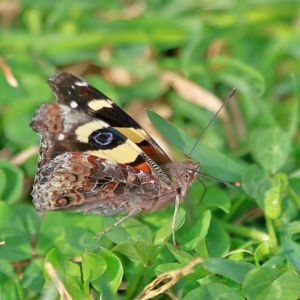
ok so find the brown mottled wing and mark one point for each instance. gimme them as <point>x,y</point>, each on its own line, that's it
<point>79,95</point>
<point>86,183</point>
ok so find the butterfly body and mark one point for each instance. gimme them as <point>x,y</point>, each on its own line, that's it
<point>95,158</point>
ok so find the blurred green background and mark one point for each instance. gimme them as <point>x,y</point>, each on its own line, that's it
<point>180,59</point>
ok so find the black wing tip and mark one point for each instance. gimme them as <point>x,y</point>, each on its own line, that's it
<point>58,76</point>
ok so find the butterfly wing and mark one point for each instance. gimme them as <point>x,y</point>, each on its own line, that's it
<point>64,129</point>
<point>80,182</point>
<point>79,95</point>
<point>86,165</point>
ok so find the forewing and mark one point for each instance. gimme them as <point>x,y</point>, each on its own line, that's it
<point>66,130</point>
<point>79,95</point>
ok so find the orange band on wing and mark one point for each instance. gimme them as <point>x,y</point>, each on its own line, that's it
<point>144,167</point>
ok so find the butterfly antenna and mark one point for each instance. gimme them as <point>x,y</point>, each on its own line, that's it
<point>234,183</point>
<point>213,118</point>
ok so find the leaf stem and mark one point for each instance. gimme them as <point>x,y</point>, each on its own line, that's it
<point>133,287</point>
<point>270,227</point>
<point>247,232</point>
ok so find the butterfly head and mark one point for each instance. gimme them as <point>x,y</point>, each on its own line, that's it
<point>188,172</point>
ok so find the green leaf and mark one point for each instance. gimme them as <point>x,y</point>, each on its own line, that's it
<point>293,126</point>
<point>270,284</point>
<point>21,134</point>
<point>138,250</point>
<point>68,272</point>
<point>201,249</point>
<point>276,260</point>
<point>10,289</point>
<point>292,253</point>
<point>128,231</point>
<point>253,179</point>
<point>213,291</point>
<point>14,182</point>
<point>271,148</point>
<point>182,256</point>
<point>33,278</point>
<point>63,266</point>
<point>163,268</point>
<point>80,238</point>
<point>3,182</point>
<point>215,197</point>
<point>54,233</point>
<point>267,192</point>
<point>198,231</point>
<point>112,277</point>
<point>9,217</point>
<point>232,269</point>
<point>17,242</point>
<point>93,266</point>
<point>293,196</point>
<point>217,240</point>
<point>293,228</point>
<point>263,250</point>
<point>212,161</point>
<point>29,217</point>
<point>7,269</point>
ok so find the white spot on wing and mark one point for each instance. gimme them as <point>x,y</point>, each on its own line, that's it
<point>73,104</point>
<point>61,136</point>
<point>73,87</point>
<point>81,83</point>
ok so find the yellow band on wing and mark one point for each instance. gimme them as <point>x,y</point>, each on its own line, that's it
<point>122,154</point>
<point>131,133</point>
<point>97,104</point>
<point>84,131</point>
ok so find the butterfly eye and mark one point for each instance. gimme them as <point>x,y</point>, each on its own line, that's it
<point>62,201</point>
<point>186,177</point>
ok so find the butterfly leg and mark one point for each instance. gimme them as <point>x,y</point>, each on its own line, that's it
<point>130,214</point>
<point>176,209</point>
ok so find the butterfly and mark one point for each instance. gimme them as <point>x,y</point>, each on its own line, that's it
<point>94,158</point>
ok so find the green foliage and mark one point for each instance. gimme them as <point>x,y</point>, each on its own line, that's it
<point>248,236</point>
